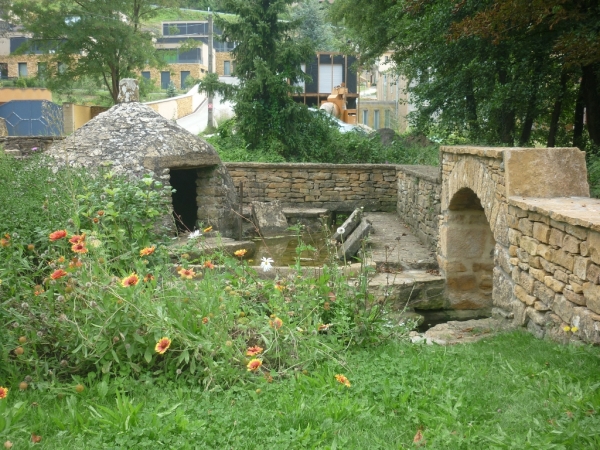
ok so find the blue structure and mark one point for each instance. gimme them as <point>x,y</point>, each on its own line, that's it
<point>32,118</point>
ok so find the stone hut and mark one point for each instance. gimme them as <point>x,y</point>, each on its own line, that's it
<point>135,140</point>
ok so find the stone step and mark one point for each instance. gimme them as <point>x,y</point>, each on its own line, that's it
<point>411,289</point>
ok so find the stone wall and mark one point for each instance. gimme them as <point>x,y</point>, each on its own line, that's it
<point>220,58</point>
<point>24,145</point>
<point>335,187</point>
<point>419,194</point>
<point>555,266</point>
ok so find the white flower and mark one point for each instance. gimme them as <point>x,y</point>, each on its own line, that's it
<point>341,230</point>
<point>266,264</point>
<point>195,234</point>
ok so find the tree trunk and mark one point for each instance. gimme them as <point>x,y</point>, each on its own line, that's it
<point>557,109</point>
<point>529,117</point>
<point>505,115</point>
<point>472,110</point>
<point>578,119</point>
<point>591,97</point>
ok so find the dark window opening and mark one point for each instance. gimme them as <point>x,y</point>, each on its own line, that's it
<point>185,208</point>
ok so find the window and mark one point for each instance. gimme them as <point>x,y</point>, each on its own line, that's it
<point>387,119</point>
<point>3,70</point>
<point>184,75</point>
<point>42,70</point>
<point>146,75</point>
<point>376,119</point>
<point>165,79</point>
<point>22,69</point>
<point>365,119</point>
<point>227,68</point>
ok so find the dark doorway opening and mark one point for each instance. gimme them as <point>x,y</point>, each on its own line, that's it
<point>185,208</point>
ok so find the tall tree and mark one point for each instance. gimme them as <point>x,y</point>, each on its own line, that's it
<point>313,24</point>
<point>91,38</point>
<point>267,63</point>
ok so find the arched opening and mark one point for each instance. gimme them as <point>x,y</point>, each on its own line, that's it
<point>185,207</point>
<point>467,252</point>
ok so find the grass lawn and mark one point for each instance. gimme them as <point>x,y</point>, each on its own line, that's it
<point>509,391</point>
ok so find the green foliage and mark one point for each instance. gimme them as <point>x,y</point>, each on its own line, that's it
<point>102,40</point>
<point>322,142</point>
<point>314,26</point>
<point>171,90</point>
<point>509,391</point>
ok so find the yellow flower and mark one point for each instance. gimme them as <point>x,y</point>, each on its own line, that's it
<point>240,253</point>
<point>3,392</point>
<point>207,229</point>
<point>342,379</point>
<point>254,365</point>
<point>566,328</point>
<point>162,345</point>
<point>574,329</point>
<point>147,251</point>
<point>131,280</point>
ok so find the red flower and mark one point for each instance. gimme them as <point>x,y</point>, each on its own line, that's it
<point>58,234</point>
<point>77,239</point>
<point>79,248</point>
<point>342,379</point>
<point>3,392</point>
<point>147,251</point>
<point>131,280</point>
<point>59,273</point>
<point>5,242</point>
<point>254,365</point>
<point>162,345</point>
<point>254,350</point>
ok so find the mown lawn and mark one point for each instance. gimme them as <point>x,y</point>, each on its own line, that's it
<point>510,391</point>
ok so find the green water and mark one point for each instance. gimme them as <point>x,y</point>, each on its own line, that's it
<point>283,250</point>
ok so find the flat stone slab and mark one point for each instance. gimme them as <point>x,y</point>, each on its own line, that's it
<point>349,225</point>
<point>208,245</point>
<point>269,218</point>
<point>409,289</point>
<point>578,211</point>
<point>393,246</point>
<point>352,245</point>
<point>311,213</point>
<point>464,332</point>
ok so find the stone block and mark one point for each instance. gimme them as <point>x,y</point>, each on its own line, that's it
<point>556,237</point>
<point>482,267</point>
<point>554,284</point>
<point>540,306</point>
<point>594,246</point>
<point>534,261</point>
<point>584,248</point>
<point>349,225</point>
<point>593,274</point>
<point>522,254</point>
<point>589,325</point>
<point>516,211</point>
<point>502,258</point>
<point>502,291</point>
<point>591,292</point>
<point>563,308</point>
<point>465,282</point>
<point>512,251</point>
<point>520,314</point>
<point>523,266</point>
<point>529,244</point>
<point>547,266</point>
<point>544,251</point>
<point>561,276</point>
<point>580,266</point>
<point>522,295</point>
<point>352,245</point>
<point>537,317</point>
<point>269,218</point>
<point>571,244</point>
<point>538,274</point>
<point>541,232</point>
<point>534,328</point>
<point>526,227</point>
<point>563,259</point>
<point>526,281</point>
<point>514,236</point>
<point>512,221</point>
<point>543,293</point>
<point>578,299</point>
<point>579,232</point>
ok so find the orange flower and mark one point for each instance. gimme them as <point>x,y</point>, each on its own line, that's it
<point>100,213</point>
<point>58,234</point>
<point>75,263</point>
<point>131,280</point>
<point>38,290</point>
<point>207,229</point>
<point>324,327</point>
<point>149,277</point>
<point>4,242</point>
<point>36,439</point>
<point>95,220</point>
<point>209,265</point>
<point>254,365</point>
<point>3,392</point>
<point>77,238</point>
<point>60,260</point>
<point>205,320</point>
<point>147,251</point>
<point>342,379</point>
<point>253,351</point>
<point>59,273</point>
<point>162,345</point>
<point>240,253</point>
<point>276,323</point>
<point>79,248</point>
<point>186,273</point>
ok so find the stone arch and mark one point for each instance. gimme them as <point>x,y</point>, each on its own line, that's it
<point>472,229</point>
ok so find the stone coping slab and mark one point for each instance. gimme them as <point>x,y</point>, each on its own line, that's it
<point>305,212</point>
<point>488,152</point>
<point>299,166</point>
<point>578,211</point>
<point>429,173</point>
